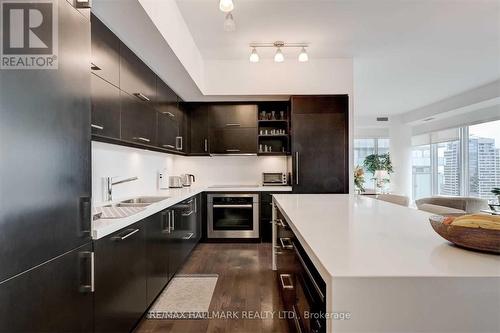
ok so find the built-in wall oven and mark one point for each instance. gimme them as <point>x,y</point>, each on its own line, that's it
<point>233,215</point>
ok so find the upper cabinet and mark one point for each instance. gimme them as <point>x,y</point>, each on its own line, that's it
<point>170,118</point>
<point>106,117</point>
<point>105,60</point>
<point>138,121</point>
<point>199,118</point>
<point>135,77</point>
<point>233,115</point>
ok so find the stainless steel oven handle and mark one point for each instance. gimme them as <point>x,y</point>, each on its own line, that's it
<point>318,290</point>
<point>286,285</point>
<point>233,206</point>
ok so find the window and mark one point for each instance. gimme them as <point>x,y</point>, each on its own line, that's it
<point>365,147</point>
<point>484,159</point>
<point>460,161</point>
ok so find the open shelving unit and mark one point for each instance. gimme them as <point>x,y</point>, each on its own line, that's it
<point>274,128</point>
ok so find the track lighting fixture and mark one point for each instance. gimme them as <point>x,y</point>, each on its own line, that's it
<point>279,56</point>
<point>254,56</point>
<point>226,5</point>
<point>303,56</point>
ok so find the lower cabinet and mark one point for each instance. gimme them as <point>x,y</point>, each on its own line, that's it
<point>133,265</point>
<point>120,279</point>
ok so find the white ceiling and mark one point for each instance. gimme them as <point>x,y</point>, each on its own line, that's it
<point>407,54</point>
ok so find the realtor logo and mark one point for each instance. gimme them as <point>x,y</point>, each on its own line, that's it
<point>29,34</point>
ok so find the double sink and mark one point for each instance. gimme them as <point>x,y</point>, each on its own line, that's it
<point>134,205</point>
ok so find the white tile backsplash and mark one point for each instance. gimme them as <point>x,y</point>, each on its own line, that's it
<point>114,160</point>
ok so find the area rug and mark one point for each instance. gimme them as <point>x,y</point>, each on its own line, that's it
<point>187,296</point>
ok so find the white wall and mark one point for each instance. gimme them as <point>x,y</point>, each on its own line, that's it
<point>113,160</point>
<point>400,150</point>
<point>226,170</point>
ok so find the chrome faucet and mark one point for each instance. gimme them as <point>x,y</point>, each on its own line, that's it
<point>109,186</point>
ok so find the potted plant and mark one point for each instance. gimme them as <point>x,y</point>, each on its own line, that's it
<point>359,179</point>
<point>496,191</point>
<point>381,167</point>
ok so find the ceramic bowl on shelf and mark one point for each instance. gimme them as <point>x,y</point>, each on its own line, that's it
<point>481,239</point>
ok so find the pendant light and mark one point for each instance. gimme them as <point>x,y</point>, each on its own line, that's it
<point>303,56</point>
<point>279,57</point>
<point>254,56</point>
<point>226,5</point>
<point>229,24</point>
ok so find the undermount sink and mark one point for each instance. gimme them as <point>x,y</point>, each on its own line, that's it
<point>142,201</point>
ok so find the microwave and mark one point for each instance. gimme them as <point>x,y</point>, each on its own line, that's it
<point>274,178</point>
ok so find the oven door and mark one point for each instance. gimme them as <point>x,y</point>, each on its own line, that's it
<point>233,216</point>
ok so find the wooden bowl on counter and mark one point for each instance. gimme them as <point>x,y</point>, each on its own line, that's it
<point>480,239</point>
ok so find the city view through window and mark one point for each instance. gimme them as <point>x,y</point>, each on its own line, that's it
<point>439,169</point>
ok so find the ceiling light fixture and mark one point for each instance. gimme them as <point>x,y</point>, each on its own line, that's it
<point>229,24</point>
<point>279,56</point>
<point>254,56</point>
<point>303,56</point>
<point>226,5</point>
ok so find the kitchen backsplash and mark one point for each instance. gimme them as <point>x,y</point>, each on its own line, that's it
<point>120,161</point>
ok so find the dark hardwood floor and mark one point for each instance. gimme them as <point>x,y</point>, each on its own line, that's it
<point>246,283</point>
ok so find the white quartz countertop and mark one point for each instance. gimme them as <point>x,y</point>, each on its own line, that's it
<point>359,236</point>
<point>104,227</point>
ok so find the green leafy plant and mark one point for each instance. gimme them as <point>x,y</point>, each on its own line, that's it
<point>359,178</point>
<point>496,191</point>
<point>376,162</point>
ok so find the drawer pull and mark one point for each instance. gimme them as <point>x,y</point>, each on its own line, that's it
<point>126,236</point>
<point>206,145</point>
<point>287,277</point>
<point>279,223</point>
<point>233,125</point>
<point>168,146</point>
<point>309,274</point>
<point>188,236</point>
<point>286,243</point>
<point>139,138</point>
<point>142,97</point>
<point>170,114</point>
<point>97,127</point>
<point>233,150</point>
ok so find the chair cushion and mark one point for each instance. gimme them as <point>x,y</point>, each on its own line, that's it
<point>441,210</point>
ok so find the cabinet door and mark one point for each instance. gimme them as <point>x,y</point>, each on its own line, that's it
<point>105,52</point>
<point>135,77</point>
<point>52,297</point>
<point>233,115</point>
<point>234,141</point>
<point>199,130</point>
<point>120,280</point>
<point>156,254</point>
<point>320,144</point>
<point>175,241</point>
<point>138,121</point>
<point>168,116</point>
<point>105,108</point>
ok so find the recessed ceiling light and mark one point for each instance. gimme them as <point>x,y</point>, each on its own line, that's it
<point>229,24</point>
<point>254,56</point>
<point>279,57</point>
<point>226,5</point>
<point>303,56</point>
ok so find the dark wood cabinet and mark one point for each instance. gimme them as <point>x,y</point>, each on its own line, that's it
<point>233,115</point>
<point>320,144</point>
<point>105,108</point>
<point>120,280</point>
<point>135,77</point>
<point>105,60</point>
<point>200,144</point>
<point>234,140</point>
<point>157,254</point>
<point>138,121</point>
<point>170,119</point>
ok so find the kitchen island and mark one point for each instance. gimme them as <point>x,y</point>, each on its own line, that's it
<point>384,265</point>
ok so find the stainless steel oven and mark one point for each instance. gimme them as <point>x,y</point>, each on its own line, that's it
<point>233,216</point>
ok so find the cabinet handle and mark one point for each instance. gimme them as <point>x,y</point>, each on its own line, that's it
<point>97,127</point>
<point>189,236</point>
<point>170,114</point>
<point>206,145</point>
<point>232,125</point>
<point>172,227</point>
<point>188,214</point>
<point>233,150</point>
<point>296,320</point>
<point>139,138</point>
<point>168,146</point>
<point>142,97</point>
<point>85,288</point>
<point>195,205</point>
<point>178,142</point>
<point>297,167</point>
<point>286,243</point>
<point>233,206</point>
<point>309,274</point>
<point>133,231</point>
<point>169,221</point>
<point>279,223</point>
<point>288,285</point>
